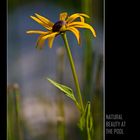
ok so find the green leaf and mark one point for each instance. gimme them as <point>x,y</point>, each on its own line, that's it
<point>82,121</point>
<point>86,121</point>
<point>89,122</point>
<point>68,91</point>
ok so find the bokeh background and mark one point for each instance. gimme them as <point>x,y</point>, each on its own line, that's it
<point>45,113</point>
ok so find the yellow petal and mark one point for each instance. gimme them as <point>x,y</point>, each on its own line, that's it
<point>40,43</point>
<point>75,32</point>
<point>36,32</point>
<point>84,15</point>
<point>75,16</point>
<point>82,19</point>
<point>63,16</point>
<point>45,20</point>
<point>83,25</point>
<point>50,41</point>
<point>41,23</point>
<point>41,39</point>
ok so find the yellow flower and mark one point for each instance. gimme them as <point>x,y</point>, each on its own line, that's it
<point>65,23</point>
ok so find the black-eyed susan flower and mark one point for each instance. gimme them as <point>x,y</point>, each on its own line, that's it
<point>65,23</point>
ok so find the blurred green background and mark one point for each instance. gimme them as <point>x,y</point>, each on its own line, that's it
<point>41,112</point>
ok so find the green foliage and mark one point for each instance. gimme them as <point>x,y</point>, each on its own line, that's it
<point>86,121</point>
<point>68,91</point>
<point>14,115</point>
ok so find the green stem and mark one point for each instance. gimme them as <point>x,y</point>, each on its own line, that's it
<point>73,70</point>
<point>17,111</point>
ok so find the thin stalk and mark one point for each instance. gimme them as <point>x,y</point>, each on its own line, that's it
<point>88,64</point>
<point>17,111</point>
<point>14,116</point>
<point>10,116</point>
<point>73,70</point>
<point>60,101</point>
<point>88,119</point>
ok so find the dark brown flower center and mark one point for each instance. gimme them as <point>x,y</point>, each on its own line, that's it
<point>57,26</point>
